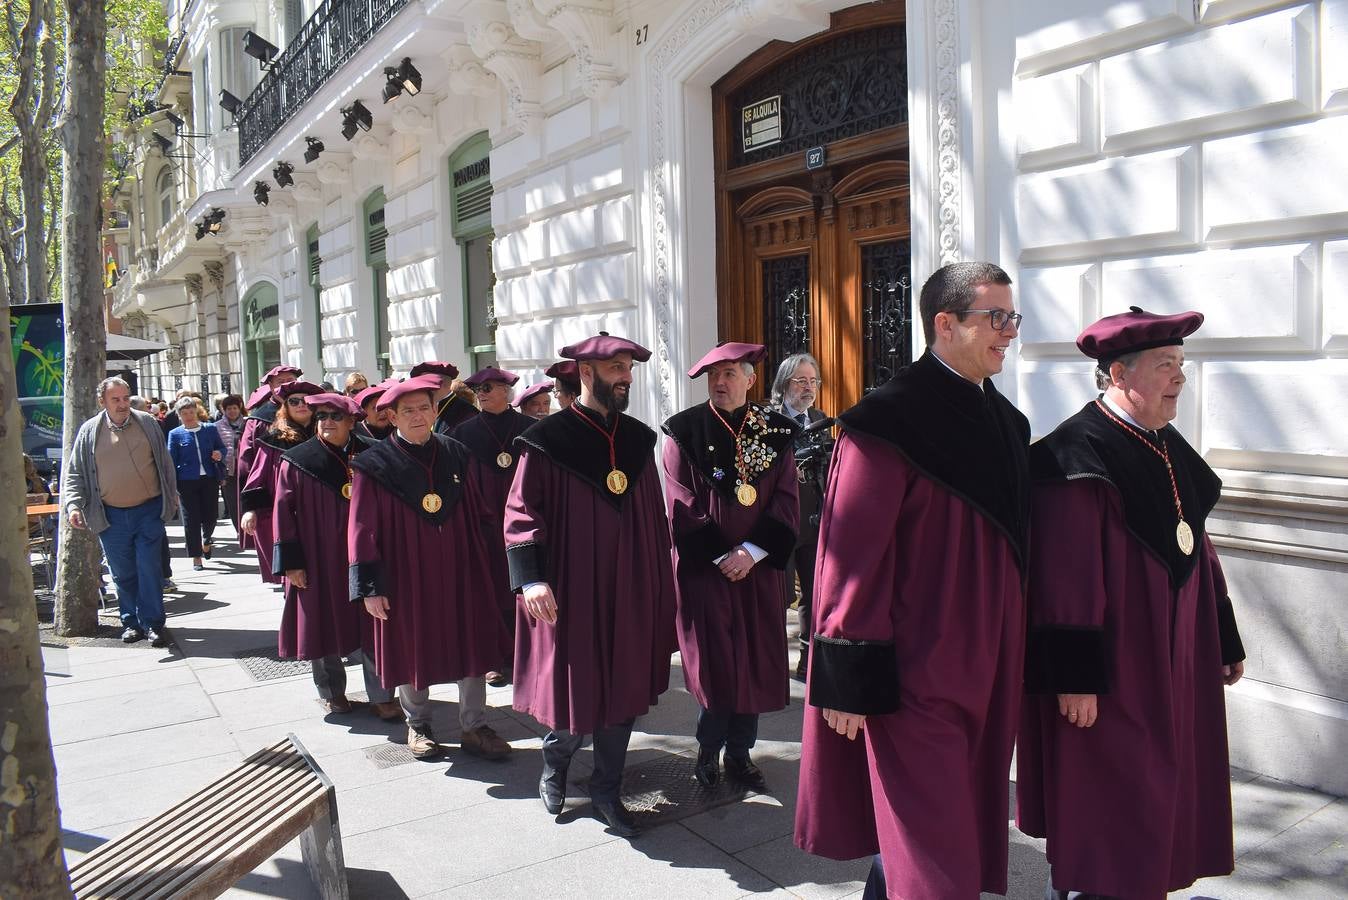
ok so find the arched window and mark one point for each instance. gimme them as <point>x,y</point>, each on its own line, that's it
<point>164,190</point>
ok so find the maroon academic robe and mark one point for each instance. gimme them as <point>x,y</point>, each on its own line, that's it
<point>259,493</point>
<point>309,524</point>
<point>919,625</point>
<point>606,558</point>
<point>1140,803</point>
<point>442,624</point>
<point>259,419</point>
<point>732,635</point>
<point>487,436</point>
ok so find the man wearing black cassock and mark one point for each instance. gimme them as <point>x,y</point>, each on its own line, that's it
<point>451,410</point>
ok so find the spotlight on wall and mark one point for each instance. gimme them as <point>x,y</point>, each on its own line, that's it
<point>165,145</point>
<point>229,103</point>
<point>259,48</point>
<point>315,148</point>
<point>177,121</point>
<point>261,193</point>
<point>356,116</point>
<point>214,220</point>
<point>404,78</point>
<point>202,229</point>
<point>282,174</point>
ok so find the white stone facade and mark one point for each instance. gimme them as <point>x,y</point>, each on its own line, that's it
<point>1172,154</point>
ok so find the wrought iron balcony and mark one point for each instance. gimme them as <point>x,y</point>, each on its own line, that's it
<point>333,34</point>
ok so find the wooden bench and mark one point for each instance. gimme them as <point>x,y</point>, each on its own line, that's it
<point>206,843</point>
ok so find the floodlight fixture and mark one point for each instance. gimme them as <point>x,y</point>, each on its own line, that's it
<point>230,103</point>
<point>259,47</point>
<point>315,149</point>
<point>261,193</point>
<point>282,174</point>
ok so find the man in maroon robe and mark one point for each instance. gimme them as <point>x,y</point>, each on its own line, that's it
<point>915,671</point>
<point>262,408</point>
<point>418,561</point>
<point>375,424</point>
<point>731,494</point>
<point>319,622</point>
<point>490,436</point>
<point>535,401</point>
<point>451,410</point>
<point>566,382</point>
<point>588,545</point>
<point>1122,761</point>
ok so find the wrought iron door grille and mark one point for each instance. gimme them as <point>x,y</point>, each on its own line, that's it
<point>333,34</point>
<point>786,307</point>
<point>886,301</point>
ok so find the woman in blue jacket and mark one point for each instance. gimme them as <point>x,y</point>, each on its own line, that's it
<point>197,454</point>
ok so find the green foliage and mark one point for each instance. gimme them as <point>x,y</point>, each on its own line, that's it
<point>137,35</point>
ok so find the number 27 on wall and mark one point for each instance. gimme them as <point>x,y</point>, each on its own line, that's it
<point>643,32</point>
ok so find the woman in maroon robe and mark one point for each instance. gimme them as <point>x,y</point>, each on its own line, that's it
<point>729,557</point>
<point>292,426</point>
<point>1122,761</point>
<point>319,622</point>
<point>261,413</point>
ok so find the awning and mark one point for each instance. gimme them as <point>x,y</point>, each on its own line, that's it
<point>121,346</point>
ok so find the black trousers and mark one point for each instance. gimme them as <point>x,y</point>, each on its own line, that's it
<point>737,732</point>
<point>802,564</point>
<point>610,755</point>
<point>198,497</point>
<point>230,489</point>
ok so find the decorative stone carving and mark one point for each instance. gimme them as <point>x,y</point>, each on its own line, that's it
<point>527,21</point>
<point>517,62</point>
<point>467,77</point>
<point>215,271</point>
<point>334,168</point>
<point>306,189</point>
<point>194,285</point>
<point>366,146</point>
<point>947,122</point>
<point>588,27</point>
<point>769,18</point>
<point>413,117</point>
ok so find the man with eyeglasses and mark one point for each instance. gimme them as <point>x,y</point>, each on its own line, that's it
<point>793,394</point>
<point>490,436</point>
<point>916,664</point>
<point>262,407</point>
<point>1122,761</point>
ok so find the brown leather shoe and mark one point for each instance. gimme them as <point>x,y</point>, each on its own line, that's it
<point>421,742</point>
<point>498,679</point>
<point>486,743</point>
<point>389,712</point>
<point>338,704</point>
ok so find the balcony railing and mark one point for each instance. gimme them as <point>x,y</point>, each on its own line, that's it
<point>333,34</point>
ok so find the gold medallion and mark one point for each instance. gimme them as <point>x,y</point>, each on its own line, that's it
<point>346,490</point>
<point>1184,536</point>
<point>746,494</point>
<point>617,481</point>
<point>504,459</point>
<point>432,503</point>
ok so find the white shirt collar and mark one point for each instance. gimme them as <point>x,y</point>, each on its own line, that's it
<point>977,384</point>
<point>1122,413</point>
<point>794,413</point>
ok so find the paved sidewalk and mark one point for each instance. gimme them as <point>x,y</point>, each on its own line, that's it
<point>137,729</point>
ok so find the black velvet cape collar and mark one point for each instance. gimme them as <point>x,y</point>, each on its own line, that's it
<point>265,412</point>
<point>973,443</point>
<point>374,433</point>
<point>1089,445</point>
<point>322,463</point>
<point>703,438</point>
<point>271,439</point>
<point>487,434</point>
<point>453,412</point>
<point>406,479</point>
<point>583,451</point>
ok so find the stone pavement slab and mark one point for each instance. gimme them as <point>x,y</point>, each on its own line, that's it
<point>138,729</point>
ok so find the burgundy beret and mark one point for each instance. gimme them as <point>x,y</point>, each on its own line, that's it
<point>533,391</point>
<point>435,367</point>
<point>491,373</point>
<point>417,384</point>
<point>729,351</point>
<point>566,370</point>
<point>604,346</point>
<point>374,391</point>
<point>1136,330</point>
<point>259,396</point>
<point>301,388</point>
<point>281,370</point>
<point>340,402</point>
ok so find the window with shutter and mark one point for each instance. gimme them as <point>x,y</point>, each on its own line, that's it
<point>239,72</point>
<point>294,19</point>
<point>201,95</point>
<point>316,287</point>
<point>470,211</point>
<point>376,257</point>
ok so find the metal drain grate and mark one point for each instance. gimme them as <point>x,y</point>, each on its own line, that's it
<point>262,664</point>
<point>386,756</point>
<point>665,791</point>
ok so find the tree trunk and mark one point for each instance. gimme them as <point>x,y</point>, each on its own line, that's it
<point>31,861</point>
<point>32,106</point>
<point>79,571</point>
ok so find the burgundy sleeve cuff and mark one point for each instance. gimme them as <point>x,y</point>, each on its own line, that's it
<point>1233,649</point>
<point>1066,660</point>
<point>774,537</point>
<point>858,677</point>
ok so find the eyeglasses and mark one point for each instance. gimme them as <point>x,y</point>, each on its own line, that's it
<point>353,391</point>
<point>999,319</point>
<point>486,387</point>
<point>806,382</point>
<point>324,416</point>
<point>296,402</point>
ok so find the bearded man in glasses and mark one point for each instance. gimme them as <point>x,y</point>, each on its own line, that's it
<point>919,631</point>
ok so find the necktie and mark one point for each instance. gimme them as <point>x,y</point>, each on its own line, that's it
<point>803,419</point>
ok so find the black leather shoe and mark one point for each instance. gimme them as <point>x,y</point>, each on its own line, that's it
<point>746,773</point>
<point>613,814</point>
<point>708,768</point>
<point>802,666</point>
<point>131,635</point>
<point>552,791</point>
<point>158,636</point>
